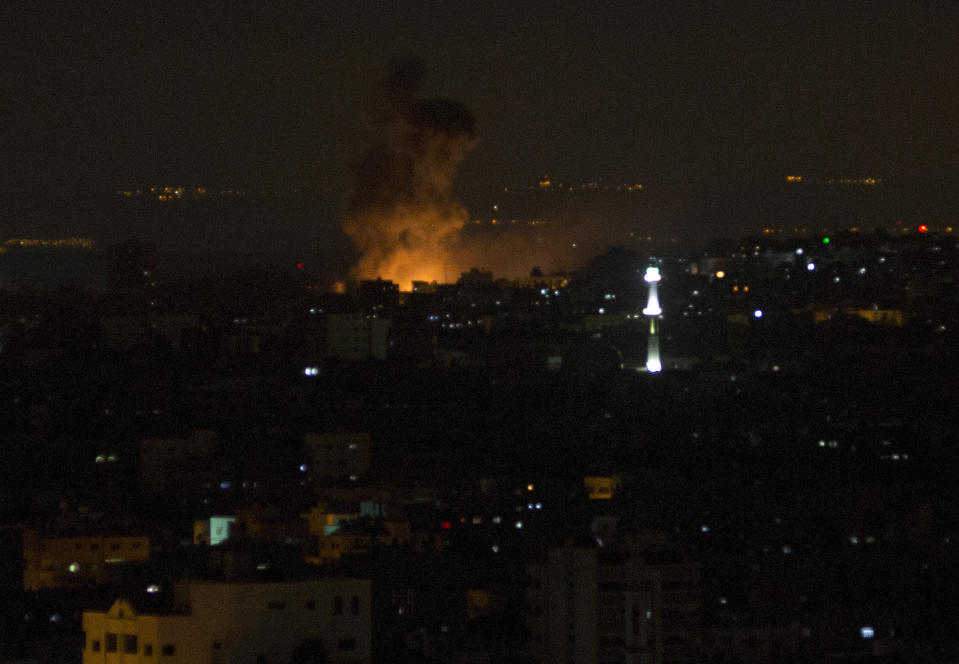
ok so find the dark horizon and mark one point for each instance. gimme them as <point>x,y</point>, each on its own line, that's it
<point>283,99</point>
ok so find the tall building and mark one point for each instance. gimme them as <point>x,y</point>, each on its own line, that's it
<point>357,337</point>
<point>638,602</point>
<point>653,311</point>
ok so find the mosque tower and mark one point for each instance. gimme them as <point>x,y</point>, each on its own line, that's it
<point>653,311</point>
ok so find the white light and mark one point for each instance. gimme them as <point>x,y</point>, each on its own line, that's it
<point>153,588</point>
<point>652,275</point>
<point>518,525</point>
<point>867,632</point>
<point>495,548</point>
<point>73,567</point>
<point>862,270</point>
<point>654,366</point>
<point>810,266</point>
<point>799,251</point>
<point>602,311</point>
<point>758,313</point>
<point>311,371</point>
<point>704,528</point>
<point>302,467</point>
<point>652,311</point>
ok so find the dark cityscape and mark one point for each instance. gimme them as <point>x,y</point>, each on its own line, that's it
<point>515,333</point>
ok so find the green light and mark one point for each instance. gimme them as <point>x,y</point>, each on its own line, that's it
<point>826,240</point>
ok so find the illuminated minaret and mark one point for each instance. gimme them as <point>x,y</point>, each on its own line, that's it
<point>653,310</point>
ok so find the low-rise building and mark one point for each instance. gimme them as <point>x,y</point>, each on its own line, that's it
<point>77,561</point>
<point>229,623</point>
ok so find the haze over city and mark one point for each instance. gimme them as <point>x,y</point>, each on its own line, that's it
<point>674,96</point>
<point>424,333</point>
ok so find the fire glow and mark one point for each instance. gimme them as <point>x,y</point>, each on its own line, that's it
<point>402,215</point>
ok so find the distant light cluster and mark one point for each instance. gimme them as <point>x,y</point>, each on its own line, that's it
<point>56,243</point>
<point>167,193</point>
<point>546,184</point>
<point>867,181</point>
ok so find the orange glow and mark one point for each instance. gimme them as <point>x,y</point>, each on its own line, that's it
<point>417,248</point>
<point>720,274</point>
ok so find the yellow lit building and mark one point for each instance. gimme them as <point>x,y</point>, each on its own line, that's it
<point>227,623</point>
<point>70,562</point>
<point>600,488</point>
<point>331,547</point>
<point>891,317</point>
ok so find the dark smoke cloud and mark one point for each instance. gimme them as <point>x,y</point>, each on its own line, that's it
<point>402,214</point>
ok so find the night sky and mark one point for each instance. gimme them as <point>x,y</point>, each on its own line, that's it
<point>261,95</point>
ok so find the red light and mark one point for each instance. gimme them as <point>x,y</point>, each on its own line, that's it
<point>923,228</point>
<point>299,266</point>
<point>446,525</point>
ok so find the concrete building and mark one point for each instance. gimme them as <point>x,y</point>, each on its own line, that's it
<point>213,531</point>
<point>174,465</point>
<point>356,337</point>
<point>237,623</point>
<point>635,604</point>
<point>78,561</point>
<point>337,455</point>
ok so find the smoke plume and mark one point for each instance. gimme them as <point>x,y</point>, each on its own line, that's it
<point>402,214</point>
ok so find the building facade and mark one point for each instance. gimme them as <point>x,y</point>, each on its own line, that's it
<point>238,623</point>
